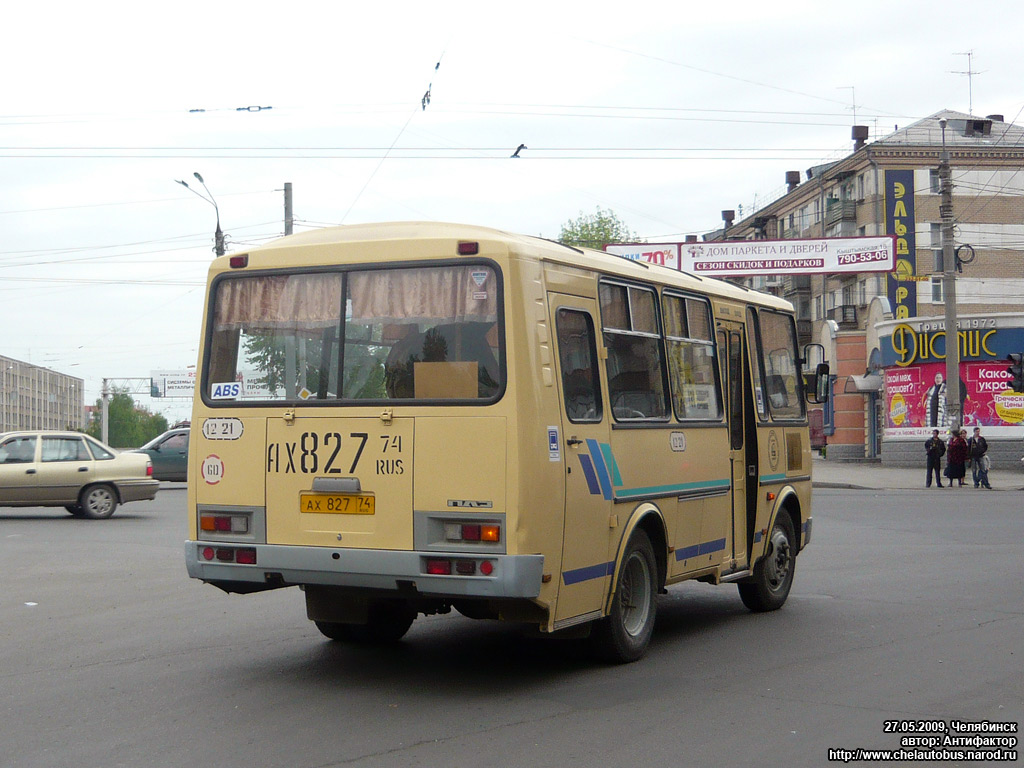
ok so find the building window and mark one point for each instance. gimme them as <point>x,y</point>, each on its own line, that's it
<point>936,233</point>
<point>933,181</point>
<point>936,290</point>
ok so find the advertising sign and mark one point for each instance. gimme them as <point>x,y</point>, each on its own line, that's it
<point>900,223</point>
<point>172,383</point>
<point>915,400</point>
<point>664,254</point>
<point>751,258</point>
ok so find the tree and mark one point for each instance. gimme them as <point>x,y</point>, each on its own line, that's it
<point>128,426</point>
<point>595,230</point>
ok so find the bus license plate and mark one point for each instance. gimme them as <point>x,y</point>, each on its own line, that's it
<point>336,503</point>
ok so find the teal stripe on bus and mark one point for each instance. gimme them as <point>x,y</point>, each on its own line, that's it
<point>651,490</point>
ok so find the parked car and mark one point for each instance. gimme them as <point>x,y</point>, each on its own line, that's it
<point>169,454</point>
<point>71,470</point>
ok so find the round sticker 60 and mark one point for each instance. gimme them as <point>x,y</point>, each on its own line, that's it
<point>213,469</point>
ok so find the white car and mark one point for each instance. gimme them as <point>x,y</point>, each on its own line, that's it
<point>71,470</point>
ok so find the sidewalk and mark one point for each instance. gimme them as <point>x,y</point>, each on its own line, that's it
<point>865,474</point>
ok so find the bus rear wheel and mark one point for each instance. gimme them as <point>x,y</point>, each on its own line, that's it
<point>769,587</point>
<point>624,635</point>
<point>387,621</point>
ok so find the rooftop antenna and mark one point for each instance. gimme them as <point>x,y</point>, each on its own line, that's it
<point>971,72</point>
<point>853,98</point>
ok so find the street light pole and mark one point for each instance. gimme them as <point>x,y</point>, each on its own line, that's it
<point>218,247</point>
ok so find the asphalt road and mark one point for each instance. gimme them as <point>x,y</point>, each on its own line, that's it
<point>907,606</point>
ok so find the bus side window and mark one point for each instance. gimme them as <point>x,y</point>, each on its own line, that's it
<point>636,371</point>
<point>577,353</point>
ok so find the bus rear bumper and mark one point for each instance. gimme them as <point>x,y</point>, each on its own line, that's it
<point>512,576</point>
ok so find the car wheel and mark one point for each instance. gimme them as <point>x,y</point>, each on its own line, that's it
<point>74,509</point>
<point>387,622</point>
<point>98,502</point>
<point>769,587</point>
<point>624,634</point>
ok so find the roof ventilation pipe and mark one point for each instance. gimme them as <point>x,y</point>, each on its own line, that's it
<point>859,136</point>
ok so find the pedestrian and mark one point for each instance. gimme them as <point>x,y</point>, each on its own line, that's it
<point>977,452</point>
<point>956,457</point>
<point>934,449</point>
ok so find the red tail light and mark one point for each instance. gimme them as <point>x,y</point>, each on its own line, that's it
<point>149,470</point>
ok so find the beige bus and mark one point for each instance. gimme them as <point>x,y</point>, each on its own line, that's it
<point>407,418</point>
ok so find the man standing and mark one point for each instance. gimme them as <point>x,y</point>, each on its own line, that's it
<point>980,462</point>
<point>935,449</point>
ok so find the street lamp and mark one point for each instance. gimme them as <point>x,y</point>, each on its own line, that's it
<point>208,197</point>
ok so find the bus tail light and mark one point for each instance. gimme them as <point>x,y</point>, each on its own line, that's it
<point>242,556</point>
<point>457,566</point>
<point>224,523</point>
<point>439,567</point>
<point>473,532</point>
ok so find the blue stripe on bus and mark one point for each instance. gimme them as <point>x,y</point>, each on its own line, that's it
<point>704,548</point>
<point>598,571</point>
<point>588,472</point>
<point>602,471</point>
<point>613,465</point>
<point>773,478</point>
<point>628,493</point>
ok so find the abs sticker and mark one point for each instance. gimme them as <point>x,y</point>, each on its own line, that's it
<point>554,446</point>
<point>213,469</point>
<point>677,440</point>
<point>229,390</point>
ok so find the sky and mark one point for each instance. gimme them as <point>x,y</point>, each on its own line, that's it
<point>664,114</point>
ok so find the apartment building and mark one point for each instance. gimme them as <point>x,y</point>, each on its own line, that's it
<point>32,397</point>
<point>884,333</point>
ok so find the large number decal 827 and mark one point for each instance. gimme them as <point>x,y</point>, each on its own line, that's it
<point>331,453</point>
<point>313,454</point>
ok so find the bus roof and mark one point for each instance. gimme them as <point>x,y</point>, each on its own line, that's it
<point>547,250</point>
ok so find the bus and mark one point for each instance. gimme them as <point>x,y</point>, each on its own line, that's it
<point>410,418</point>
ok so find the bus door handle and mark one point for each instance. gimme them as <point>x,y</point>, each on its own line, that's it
<point>752,470</point>
<point>573,441</point>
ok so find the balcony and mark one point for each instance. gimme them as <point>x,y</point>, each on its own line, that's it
<point>845,315</point>
<point>837,211</point>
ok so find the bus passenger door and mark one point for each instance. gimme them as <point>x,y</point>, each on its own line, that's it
<point>742,439</point>
<point>589,465</point>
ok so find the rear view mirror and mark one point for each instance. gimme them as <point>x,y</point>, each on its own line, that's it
<point>816,385</point>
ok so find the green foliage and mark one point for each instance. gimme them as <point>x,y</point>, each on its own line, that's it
<point>128,426</point>
<point>595,230</point>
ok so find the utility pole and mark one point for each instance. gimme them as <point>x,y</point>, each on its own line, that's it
<point>104,410</point>
<point>289,219</point>
<point>953,414</point>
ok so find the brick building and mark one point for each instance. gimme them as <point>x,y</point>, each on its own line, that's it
<point>884,401</point>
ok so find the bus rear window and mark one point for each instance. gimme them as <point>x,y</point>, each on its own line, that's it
<point>426,333</point>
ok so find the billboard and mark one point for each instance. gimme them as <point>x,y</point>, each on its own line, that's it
<point>662,254</point>
<point>767,258</point>
<point>915,400</point>
<point>900,223</point>
<point>172,383</point>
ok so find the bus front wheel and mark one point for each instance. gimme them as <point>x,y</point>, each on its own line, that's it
<point>624,634</point>
<point>387,621</point>
<point>769,587</point>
